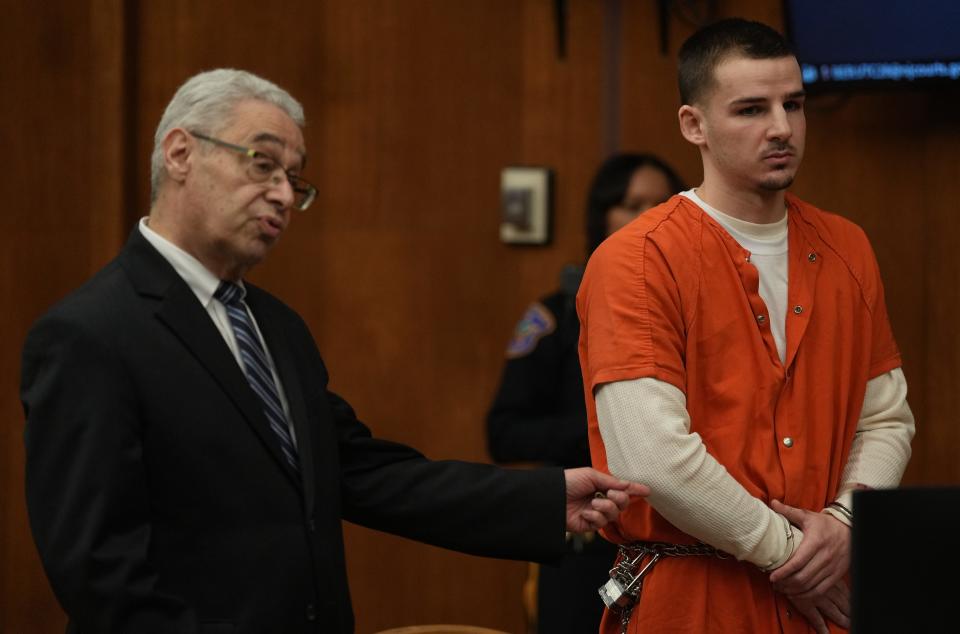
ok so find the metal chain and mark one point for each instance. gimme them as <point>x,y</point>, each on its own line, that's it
<point>673,550</point>
<point>628,568</point>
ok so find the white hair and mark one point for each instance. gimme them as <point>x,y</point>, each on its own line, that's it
<point>204,104</point>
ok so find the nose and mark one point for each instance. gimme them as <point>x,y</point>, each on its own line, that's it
<point>280,192</point>
<point>780,128</point>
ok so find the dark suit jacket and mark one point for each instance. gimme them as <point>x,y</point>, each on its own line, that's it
<point>158,496</point>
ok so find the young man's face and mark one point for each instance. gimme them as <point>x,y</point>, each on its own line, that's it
<point>753,123</point>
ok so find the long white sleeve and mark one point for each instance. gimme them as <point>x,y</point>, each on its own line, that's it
<point>881,446</point>
<point>646,432</point>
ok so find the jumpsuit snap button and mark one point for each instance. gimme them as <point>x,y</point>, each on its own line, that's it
<point>788,442</point>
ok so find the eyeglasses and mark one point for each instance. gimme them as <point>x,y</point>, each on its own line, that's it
<point>263,167</point>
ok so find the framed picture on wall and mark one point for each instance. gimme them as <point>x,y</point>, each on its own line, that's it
<point>525,203</point>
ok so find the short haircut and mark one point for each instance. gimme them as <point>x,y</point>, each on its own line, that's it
<point>205,102</point>
<point>707,48</point>
<point>609,189</point>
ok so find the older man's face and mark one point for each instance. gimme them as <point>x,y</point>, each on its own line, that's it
<point>235,220</point>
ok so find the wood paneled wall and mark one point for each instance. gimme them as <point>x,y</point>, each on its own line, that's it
<point>413,108</point>
<point>62,134</point>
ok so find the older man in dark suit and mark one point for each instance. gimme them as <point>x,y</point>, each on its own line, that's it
<point>187,468</point>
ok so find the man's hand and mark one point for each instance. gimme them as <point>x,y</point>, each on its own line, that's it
<point>833,605</point>
<point>821,560</point>
<point>587,511</point>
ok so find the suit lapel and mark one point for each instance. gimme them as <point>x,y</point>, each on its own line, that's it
<point>178,308</point>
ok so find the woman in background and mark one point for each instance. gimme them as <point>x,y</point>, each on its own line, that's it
<point>538,414</point>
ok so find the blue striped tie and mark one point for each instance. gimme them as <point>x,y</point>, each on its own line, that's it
<point>256,367</point>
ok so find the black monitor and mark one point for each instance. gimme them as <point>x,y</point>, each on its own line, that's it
<point>906,559</point>
<point>855,43</point>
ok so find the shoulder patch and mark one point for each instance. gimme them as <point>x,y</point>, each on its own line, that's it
<point>536,323</point>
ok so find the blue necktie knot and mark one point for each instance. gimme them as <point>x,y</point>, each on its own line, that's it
<point>229,294</point>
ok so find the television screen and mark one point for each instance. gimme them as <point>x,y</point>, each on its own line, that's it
<point>861,42</point>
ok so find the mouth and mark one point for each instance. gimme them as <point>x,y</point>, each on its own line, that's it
<point>778,155</point>
<point>778,159</point>
<point>270,226</point>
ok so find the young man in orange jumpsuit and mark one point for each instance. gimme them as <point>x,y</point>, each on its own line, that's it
<point>737,357</point>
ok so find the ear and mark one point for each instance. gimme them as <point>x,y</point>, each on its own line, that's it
<point>692,124</point>
<point>178,147</point>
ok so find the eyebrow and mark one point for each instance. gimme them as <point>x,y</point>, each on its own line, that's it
<point>266,137</point>
<point>744,101</point>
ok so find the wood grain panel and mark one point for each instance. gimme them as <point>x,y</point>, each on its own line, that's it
<point>934,182</point>
<point>62,221</point>
<point>649,98</point>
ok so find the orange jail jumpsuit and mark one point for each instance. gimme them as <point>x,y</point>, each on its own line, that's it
<point>674,297</point>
